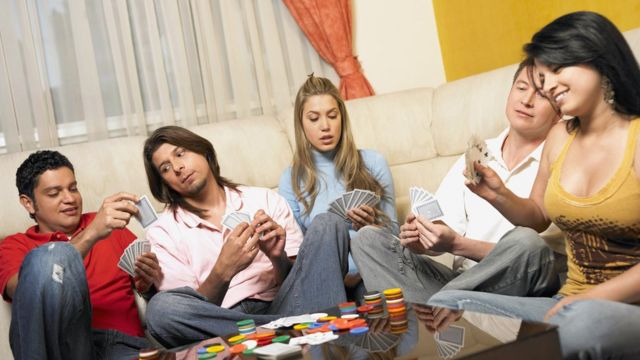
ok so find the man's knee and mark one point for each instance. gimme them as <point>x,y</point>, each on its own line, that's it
<point>523,240</point>
<point>58,261</point>
<point>447,298</point>
<point>163,308</point>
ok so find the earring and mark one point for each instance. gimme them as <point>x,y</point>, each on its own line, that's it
<point>608,91</point>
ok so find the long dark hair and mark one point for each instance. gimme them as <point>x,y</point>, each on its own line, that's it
<point>591,39</point>
<point>188,140</point>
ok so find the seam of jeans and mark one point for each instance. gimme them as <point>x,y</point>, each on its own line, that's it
<point>483,304</point>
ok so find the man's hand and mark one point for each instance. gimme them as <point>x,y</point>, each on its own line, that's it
<point>410,237</point>
<point>239,249</point>
<point>436,318</point>
<point>490,186</point>
<point>115,213</point>
<point>436,237</point>
<point>362,216</point>
<point>147,269</point>
<point>273,237</point>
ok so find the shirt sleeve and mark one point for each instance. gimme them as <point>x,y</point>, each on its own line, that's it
<point>12,253</point>
<point>450,195</point>
<point>285,189</point>
<point>379,168</point>
<point>173,262</point>
<point>281,213</point>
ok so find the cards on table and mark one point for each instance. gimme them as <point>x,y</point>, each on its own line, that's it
<point>378,342</point>
<point>353,199</point>
<point>146,214</point>
<point>278,351</point>
<point>424,203</point>
<point>477,152</point>
<point>131,253</point>
<point>449,342</point>
<point>233,219</point>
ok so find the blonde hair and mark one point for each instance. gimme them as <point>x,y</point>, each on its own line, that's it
<point>348,161</point>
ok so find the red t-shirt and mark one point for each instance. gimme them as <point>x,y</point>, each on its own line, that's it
<point>112,298</point>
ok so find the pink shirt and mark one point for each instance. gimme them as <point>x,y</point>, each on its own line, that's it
<point>188,246</point>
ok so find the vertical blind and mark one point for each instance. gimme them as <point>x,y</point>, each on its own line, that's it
<point>83,70</point>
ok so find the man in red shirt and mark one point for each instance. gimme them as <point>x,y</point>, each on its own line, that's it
<point>69,298</point>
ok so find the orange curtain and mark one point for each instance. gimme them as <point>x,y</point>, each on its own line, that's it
<point>327,25</point>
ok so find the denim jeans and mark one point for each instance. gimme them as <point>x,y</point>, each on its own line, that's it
<point>315,282</point>
<point>520,264</point>
<point>588,329</point>
<point>51,311</point>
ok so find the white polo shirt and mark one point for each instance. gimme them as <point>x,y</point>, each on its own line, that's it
<point>470,215</point>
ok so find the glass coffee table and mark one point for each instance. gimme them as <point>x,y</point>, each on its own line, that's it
<point>472,336</point>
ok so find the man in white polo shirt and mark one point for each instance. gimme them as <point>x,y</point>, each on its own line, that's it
<point>491,254</point>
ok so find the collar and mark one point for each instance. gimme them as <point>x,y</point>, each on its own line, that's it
<point>323,158</point>
<point>34,232</point>
<point>495,148</point>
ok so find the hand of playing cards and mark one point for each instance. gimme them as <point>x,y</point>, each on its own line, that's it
<point>233,219</point>
<point>425,204</point>
<point>477,152</point>
<point>131,253</point>
<point>449,342</point>
<point>353,199</point>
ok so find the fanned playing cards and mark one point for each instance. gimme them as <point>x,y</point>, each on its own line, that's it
<point>449,342</point>
<point>233,219</point>
<point>131,253</point>
<point>424,203</point>
<point>353,199</point>
<point>477,152</point>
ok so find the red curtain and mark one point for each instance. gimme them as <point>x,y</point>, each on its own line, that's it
<point>327,25</point>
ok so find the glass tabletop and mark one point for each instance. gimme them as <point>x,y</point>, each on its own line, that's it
<point>471,336</point>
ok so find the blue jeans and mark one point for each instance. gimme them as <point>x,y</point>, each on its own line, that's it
<point>51,311</point>
<point>520,264</point>
<point>315,282</point>
<point>588,329</point>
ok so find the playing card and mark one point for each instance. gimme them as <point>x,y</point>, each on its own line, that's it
<point>233,219</point>
<point>453,335</point>
<point>430,210</point>
<point>146,214</point>
<point>277,351</point>
<point>131,253</point>
<point>477,152</point>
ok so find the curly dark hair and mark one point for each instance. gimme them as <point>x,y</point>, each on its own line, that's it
<point>36,164</point>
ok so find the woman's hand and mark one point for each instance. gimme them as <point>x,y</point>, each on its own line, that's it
<point>362,216</point>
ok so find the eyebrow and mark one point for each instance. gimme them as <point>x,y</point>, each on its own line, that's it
<point>58,187</point>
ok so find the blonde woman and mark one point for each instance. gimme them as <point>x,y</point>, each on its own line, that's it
<point>326,163</point>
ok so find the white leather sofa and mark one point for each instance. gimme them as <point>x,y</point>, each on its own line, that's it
<point>420,132</point>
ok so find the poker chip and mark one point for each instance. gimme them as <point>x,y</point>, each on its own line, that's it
<point>326,318</point>
<point>301,326</point>
<point>207,356</point>
<point>215,348</point>
<point>238,349</point>
<point>246,327</point>
<point>365,309</point>
<point>348,316</point>
<point>250,344</point>
<point>237,339</point>
<point>359,330</point>
<point>148,354</point>
<point>281,339</point>
<point>248,352</point>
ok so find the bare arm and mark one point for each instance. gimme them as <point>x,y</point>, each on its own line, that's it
<point>10,288</point>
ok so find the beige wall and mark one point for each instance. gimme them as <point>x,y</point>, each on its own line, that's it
<point>397,44</point>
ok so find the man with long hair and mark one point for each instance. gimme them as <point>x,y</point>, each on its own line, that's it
<point>215,276</point>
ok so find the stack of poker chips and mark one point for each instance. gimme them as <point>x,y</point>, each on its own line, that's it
<point>347,308</point>
<point>374,299</point>
<point>246,327</point>
<point>397,311</point>
<point>265,338</point>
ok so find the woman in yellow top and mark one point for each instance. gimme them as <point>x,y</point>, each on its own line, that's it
<point>588,184</point>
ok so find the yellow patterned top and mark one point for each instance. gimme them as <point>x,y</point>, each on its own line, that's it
<point>603,230</point>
